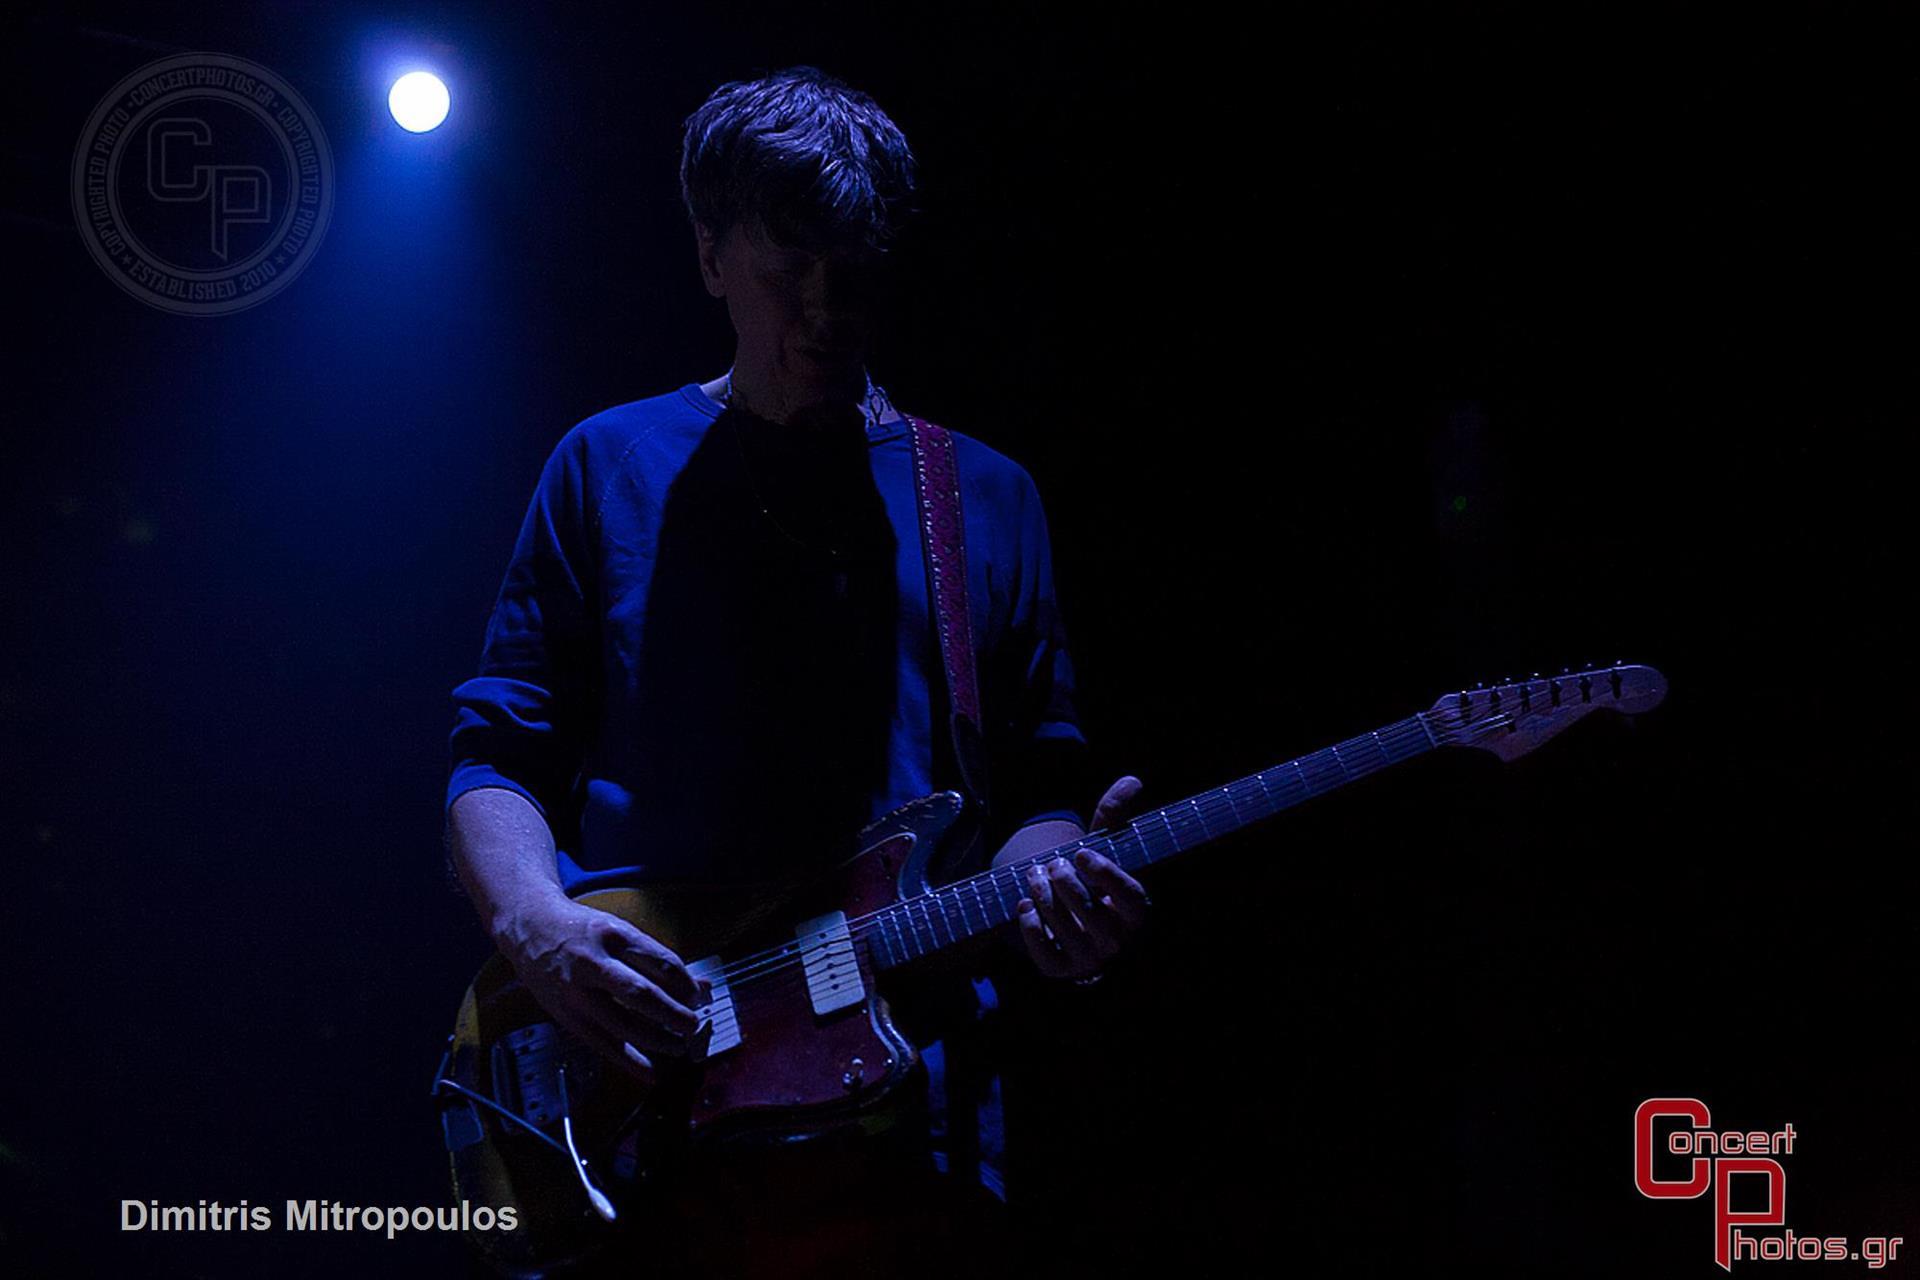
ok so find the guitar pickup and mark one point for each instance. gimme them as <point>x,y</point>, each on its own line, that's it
<point>719,1005</point>
<point>833,969</point>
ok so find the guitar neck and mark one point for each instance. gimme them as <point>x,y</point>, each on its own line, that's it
<point>966,908</point>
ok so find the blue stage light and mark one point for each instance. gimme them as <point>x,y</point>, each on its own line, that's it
<point>418,101</point>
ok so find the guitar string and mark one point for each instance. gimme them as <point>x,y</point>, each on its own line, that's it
<point>756,967</point>
<point>749,967</point>
<point>786,964</point>
<point>1216,804</point>
<point>744,971</point>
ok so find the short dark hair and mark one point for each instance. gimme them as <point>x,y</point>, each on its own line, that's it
<point>813,163</point>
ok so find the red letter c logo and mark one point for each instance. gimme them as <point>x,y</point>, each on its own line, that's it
<point>1650,1186</point>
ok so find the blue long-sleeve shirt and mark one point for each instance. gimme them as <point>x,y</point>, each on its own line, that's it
<point>712,656</point>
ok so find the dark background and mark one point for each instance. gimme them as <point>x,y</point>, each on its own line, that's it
<point>1357,358</point>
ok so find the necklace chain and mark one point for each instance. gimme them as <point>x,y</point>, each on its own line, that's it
<point>871,409</point>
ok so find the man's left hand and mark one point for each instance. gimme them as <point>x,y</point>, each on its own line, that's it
<point>1078,913</point>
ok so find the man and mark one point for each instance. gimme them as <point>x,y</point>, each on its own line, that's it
<point>713,647</point>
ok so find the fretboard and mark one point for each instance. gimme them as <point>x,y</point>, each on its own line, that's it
<point>966,908</point>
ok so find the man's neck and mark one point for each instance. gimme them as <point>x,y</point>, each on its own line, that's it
<point>765,401</point>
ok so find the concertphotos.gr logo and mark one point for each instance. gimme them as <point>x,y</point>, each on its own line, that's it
<point>202,184</point>
<point>1712,1160</point>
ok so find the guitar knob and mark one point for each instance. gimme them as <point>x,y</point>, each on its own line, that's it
<point>851,1078</point>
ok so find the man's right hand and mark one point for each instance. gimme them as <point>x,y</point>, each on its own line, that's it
<point>606,982</point>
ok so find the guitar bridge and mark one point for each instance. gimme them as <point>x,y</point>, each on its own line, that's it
<point>526,1072</point>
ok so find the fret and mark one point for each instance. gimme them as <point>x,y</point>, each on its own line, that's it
<point>908,950</point>
<point>1206,831</point>
<point>879,946</point>
<point>1420,718</point>
<point>1356,749</point>
<point>943,916</point>
<point>1302,781</point>
<point>1286,791</point>
<point>1328,780</point>
<point>1181,821</point>
<point>1342,763</point>
<point>1381,747</point>
<point>966,925</point>
<point>1006,890</point>
<point>1389,755</point>
<point>1173,837</point>
<point>932,904</point>
<point>902,941</point>
<point>991,879</point>
<point>1020,877</point>
<point>959,897</point>
<point>1255,799</point>
<point>1233,810</point>
<point>1164,840</point>
<point>980,902</point>
<point>1407,746</point>
<point>1147,854</point>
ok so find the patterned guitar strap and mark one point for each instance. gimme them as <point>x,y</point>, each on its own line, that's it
<point>936,479</point>
<point>969,1066</point>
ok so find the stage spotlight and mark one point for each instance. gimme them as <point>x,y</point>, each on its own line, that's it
<point>418,101</point>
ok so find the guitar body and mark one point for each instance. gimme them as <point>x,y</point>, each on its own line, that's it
<point>803,1045</point>
<point>806,1054</point>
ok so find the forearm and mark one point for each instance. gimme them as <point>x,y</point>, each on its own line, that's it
<point>1029,841</point>
<point>503,852</point>
<point>1036,838</point>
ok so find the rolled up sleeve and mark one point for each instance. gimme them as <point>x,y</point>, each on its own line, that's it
<point>1048,770</point>
<point>521,722</point>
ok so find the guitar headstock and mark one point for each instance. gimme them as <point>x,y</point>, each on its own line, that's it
<point>1512,718</point>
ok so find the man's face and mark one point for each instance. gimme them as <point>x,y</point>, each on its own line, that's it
<point>806,318</point>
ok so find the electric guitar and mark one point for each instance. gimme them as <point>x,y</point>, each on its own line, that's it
<point>803,1041</point>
